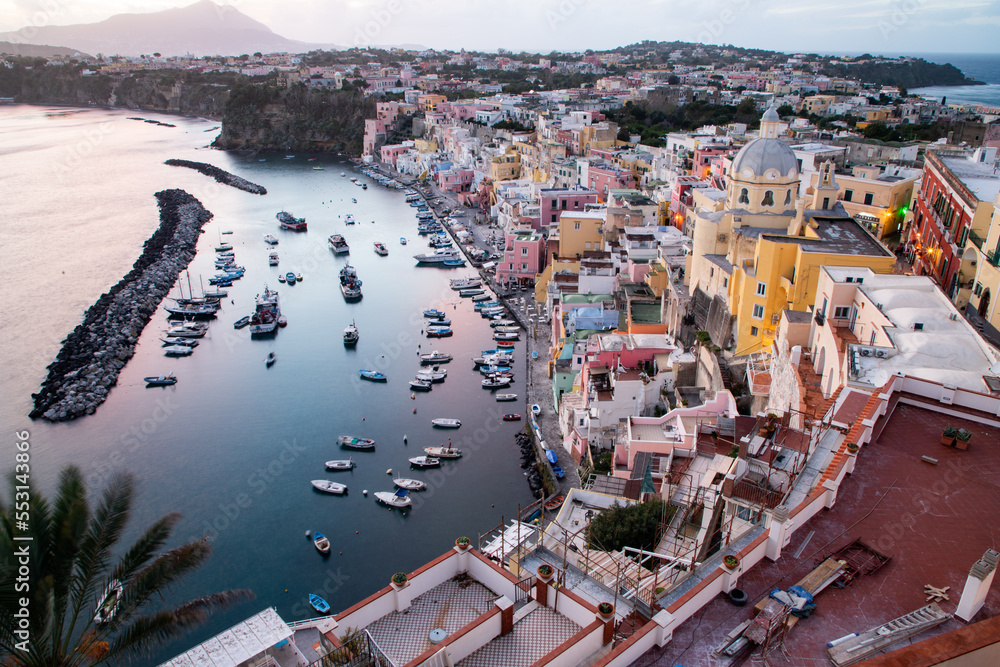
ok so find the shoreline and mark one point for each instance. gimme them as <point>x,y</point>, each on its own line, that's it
<point>220,175</point>
<point>95,352</point>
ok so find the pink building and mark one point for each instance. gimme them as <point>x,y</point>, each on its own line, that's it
<point>523,258</point>
<point>456,180</point>
<point>374,135</point>
<point>604,177</point>
<point>387,111</point>
<point>556,200</point>
<point>390,152</point>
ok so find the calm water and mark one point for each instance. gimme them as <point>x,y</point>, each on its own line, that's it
<point>980,66</point>
<point>234,444</point>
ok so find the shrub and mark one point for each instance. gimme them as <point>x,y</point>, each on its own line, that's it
<point>635,526</point>
<point>399,578</point>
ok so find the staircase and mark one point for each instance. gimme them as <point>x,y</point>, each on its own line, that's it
<point>727,376</point>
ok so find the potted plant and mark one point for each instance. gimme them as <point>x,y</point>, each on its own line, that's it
<point>462,543</point>
<point>730,561</point>
<point>545,572</point>
<point>398,580</point>
<point>853,447</point>
<point>948,437</point>
<point>962,438</point>
<point>606,611</point>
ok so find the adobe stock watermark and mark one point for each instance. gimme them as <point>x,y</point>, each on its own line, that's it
<point>899,15</point>
<point>714,29</point>
<point>379,18</point>
<point>93,136</point>
<point>564,9</point>
<point>133,439</point>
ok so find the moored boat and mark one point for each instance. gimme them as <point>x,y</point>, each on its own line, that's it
<point>340,464</point>
<point>177,350</point>
<point>433,313</point>
<point>374,376</point>
<point>272,259</point>
<point>420,385</point>
<point>425,462</point>
<point>290,278</point>
<point>435,357</point>
<point>512,417</point>
<point>463,283</point>
<point>107,605</point>
<point>554,504</point>
<point>410,484</point>
<point>496,383</point>
<point>442,422</point>
<point>353,442</point>
<point>326,486</point>
<point>380,249</point>
<point>270,359</point>
<point>242,322</point>
<point>338,244</point>
<point>160,380</point>
<point>321,543</point>
<point>350,284</point>
<point>398,499</point>
<point>319,604</point>
<point>443,452</point>
<point>351,334</point>
<point>289,221</point>
<point>265,318</point>
<point>438,332</point>
<point>506,397</point>
<point>270,239</point>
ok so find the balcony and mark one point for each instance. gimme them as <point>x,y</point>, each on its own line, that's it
<point>993,257</point>
<point>976,239</point>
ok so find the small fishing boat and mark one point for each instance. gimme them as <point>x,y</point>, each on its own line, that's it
<point>471,292</point>
<point>270,359</point>
<point>482,296</point>
<point>432,376</point>
<point>177,350</point>
<point>374,376</point>
<point>223,247</point>
<point>446,423</point>
<point>410,484</point>
<point>464,283</point>
<point>454,261</point>
<point>495,370</point>
<point>351,335</point>
<point>555,503</point>
<point>338,244</point>
<point>242,322</point>
<point>270,239</point>
<point>321,543</point>
<point>536,409</point>
<point>353,442</point>
<point>398,499</point>
<point>282,322</point>
<point>380,249</point>
<point>505,343</point>
<point>107,605</point>
<point>160,380</point>
<point>502,323</point>
<point>496,382</point>
<point>326,486</point>
<point>435,357</point>
<point>349,219</point>
<point>439,332</point>
<point>340,464</point>
<point>272,259</point>
<point>512,417</point>
<point>506,336</point>
<point>443,452</point>
<point>425,462</point>
<point>441,322</point>
<point>319,604</point>
<point>227,231</point>
<point>177,340</point>
<point>558,472</point>
<point>434,313</point>
<point>402,240</point>
<point>317,168</point>
<point>506,397</point>
<point>290,278</point>
<point>216,294</point>
<point>281,278</point>
<point>420,385</point>
<point>550,456</point>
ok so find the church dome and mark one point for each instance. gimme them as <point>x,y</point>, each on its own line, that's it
<point>770,116</point>
<point>763,155</point>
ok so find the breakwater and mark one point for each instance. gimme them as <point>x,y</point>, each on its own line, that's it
<point>221,175</point>
<point>94,353</point>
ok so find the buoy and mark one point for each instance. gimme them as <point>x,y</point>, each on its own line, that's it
<point>414,409</point>
<point>389,471</point>
<point>404,437</point>
<point>286,590</point>
<point>356,532</point>
<point>362,419</point>
<point>341,553</point>
<point>364,493</point>
<point>308,533</point>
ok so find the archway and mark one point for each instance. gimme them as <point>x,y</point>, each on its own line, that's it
<point>984,303</point>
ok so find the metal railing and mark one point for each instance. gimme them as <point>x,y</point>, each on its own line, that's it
<point>360,650</point>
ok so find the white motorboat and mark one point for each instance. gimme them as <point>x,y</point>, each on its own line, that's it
<point>398,499</point>
<point>351,335</point>
<point>446,423</point>
<point>443,452</point>
<point>108,604</point>
<point>340,464</point>
<point>465,283</point>
<point>177,350</point>
<point>420,385</point>
<point>326,486</point>
<point>435,357</point>
<point>432,376</point>
<point>160,380</point>
<point>506,397</point>
<point>425,462</point>
<point>179,340</point>
<point>272,259</point>
<point>410,484</point>
<point>496,382</point>
<point>270,239</point>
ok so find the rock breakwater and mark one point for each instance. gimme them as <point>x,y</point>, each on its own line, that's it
<point>221,175</point>
<point>92,355</point>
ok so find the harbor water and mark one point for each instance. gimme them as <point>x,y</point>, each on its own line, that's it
<point>234,444</point>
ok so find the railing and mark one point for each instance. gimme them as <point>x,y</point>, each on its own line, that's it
<point>361,650</point>
<point>993,257</point>
<point>976,239</point>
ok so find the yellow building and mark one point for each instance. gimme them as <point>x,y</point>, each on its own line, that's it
<point>430,102</point>
<point>580,231</point>
<point>786,267</point>
<point>876,200</point>
<point>597,136</point>
<point>425,146</point>
<point>981,260</point>
<point>506,167</point>
<point>557,265</point>
<point>817,104</point>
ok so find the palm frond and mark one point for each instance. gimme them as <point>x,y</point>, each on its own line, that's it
<point>60,539</point>
<point>145,632</point>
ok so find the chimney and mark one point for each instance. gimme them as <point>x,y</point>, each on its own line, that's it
<point>977,585</point>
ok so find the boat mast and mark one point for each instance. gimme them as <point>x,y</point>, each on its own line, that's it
<point>190,292</point>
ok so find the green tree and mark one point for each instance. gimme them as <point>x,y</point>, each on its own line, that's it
<point>72,568</point>
<point>636,526</point>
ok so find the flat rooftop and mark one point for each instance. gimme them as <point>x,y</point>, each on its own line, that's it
<point>979,177</point>
<point>838,235</point>
<point>934,520</point>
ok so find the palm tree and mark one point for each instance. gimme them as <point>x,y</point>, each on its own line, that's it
<point>71,570</point>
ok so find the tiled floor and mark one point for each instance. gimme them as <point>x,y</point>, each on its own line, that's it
<point>450,606</point>
<point>535,635</point>
<point>935,520</point>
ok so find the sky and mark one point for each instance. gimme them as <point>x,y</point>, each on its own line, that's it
<point>814,26</point>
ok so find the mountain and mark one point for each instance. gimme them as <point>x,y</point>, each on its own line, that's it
<point>38,51</point>
<point>203,28</point>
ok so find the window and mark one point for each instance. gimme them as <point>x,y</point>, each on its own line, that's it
<point>823,309</point>
<point>524,252</point>
<point>869,197</point>
<point>768,199</point>
<point>848,195</point>
<point>555,217</point>
<point>711,272</point>
<point>524,267</point>
<point>725,282</point>
<point>788,197</point>
<point>758,311</point>
<point>747,514</point>
<point>588,245</point>
<point>744,196</point>
<point>564,204</point>
<point>754,331</point>
<point>872,341</point>
<point>826,203</point>
<point>576,225</point>
<point>841,312</point>
<point>761,289</point>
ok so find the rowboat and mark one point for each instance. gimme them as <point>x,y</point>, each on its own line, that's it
<point>506,397</point>
<point>374,376</point>
<point>326,486</point>
<point>512,417</point>
<point>410,484</point>
<point>425,462</point>
<point>160,380</point>
<point>340,464</point>
<point>352,442</point>
<point>321,543</point>
<point>319,604</point>
<point>446,423</point>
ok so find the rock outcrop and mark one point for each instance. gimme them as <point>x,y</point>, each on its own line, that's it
<point>221,175</point>
<point>92,355</point>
